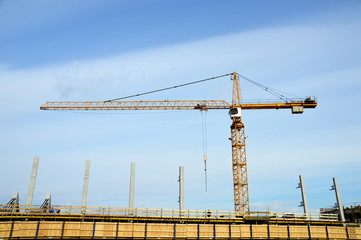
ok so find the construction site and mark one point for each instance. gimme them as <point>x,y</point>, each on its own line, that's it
<point>48,221</point>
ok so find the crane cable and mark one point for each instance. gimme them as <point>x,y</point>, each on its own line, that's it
<point>204,144</point>
<point>272,91</point>
<point>168,88</point>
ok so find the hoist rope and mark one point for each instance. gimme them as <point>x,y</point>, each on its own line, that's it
<point>204,144</point>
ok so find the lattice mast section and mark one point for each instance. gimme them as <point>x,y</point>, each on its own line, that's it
<point>239,162</point>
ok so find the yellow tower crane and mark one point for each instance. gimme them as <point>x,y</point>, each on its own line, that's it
<point>239,162</point>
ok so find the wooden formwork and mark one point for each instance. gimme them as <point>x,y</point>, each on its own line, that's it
<point>240,231</point>
<point>155,230</point>
<point>278,231</point>
<point>318,232</point>
<point>191,230</point>
<point>354,233</point>
<point>24,229</point>
<point>337,232</point>
<point>121,230</point>
<point>259,231</point>
<point>78,229</point>
<point>299,232</point>
<point>181,230</point>
<point>49,229</point>
<point>206,230</point>
<point>222,231</point>
<point>131,230</point>
<point>5,228</point>
<point>106,229</point>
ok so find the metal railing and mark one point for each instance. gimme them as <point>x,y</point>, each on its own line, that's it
<point>58,210</point>
<point>287,100</point>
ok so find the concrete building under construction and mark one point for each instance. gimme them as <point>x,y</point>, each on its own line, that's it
<point>47,221</point>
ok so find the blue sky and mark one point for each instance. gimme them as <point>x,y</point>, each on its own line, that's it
<point>97,50</point>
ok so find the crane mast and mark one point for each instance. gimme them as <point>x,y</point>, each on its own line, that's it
<point>239,162</point>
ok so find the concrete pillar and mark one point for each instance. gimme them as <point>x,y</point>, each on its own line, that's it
<point>16,197</point>
<point>46,206</point>
<point>132,186</point>
<point>29,199</point>
<point>303,193</point>
<point>338,198</point>
<point>181,188</point>
<point>16,202</point>
<point>85,184</point>
<point>48,197</point>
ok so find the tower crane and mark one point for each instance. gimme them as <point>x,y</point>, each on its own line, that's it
<point>239,162</point>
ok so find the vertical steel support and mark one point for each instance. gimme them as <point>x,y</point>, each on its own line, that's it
<point>175,231</point>
<point>132,186</point>
<point>268,232</point>
<point>230,231</point>
<point>145,231</point>
<point>309,232</point>
<point>338,198</point>
<point>303,204</point>
<point>251,230</point>
<point>181,190</point>
<point>214,231</point>
<point>348,235</point>
<point>85,185</point>
<point>288,232</point>
<point>328,238</point>
<point>11,230</point>
<point>37,230</point>
<point>198,236</point>
<point>94,231</point>
<point>116,236</point>
<point>62,230</point>
<point>34,172</point>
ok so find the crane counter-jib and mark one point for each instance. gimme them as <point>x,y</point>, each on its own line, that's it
<point>169,105</point>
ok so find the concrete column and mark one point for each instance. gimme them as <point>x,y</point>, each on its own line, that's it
<point>85,184</point>
<point>16,197</point>
<point>48,197</point>
<point>181,188</point>
<point>303,192</point>
<point>132,186</point>
<point>338,198</point>
<point>15,207</point>
<point>29,199</point>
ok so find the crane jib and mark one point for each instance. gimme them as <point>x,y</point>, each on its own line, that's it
<point>169,105</point>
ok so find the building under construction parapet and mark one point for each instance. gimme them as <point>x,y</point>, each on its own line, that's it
<point>69,222</point>
<point>352,213</point>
